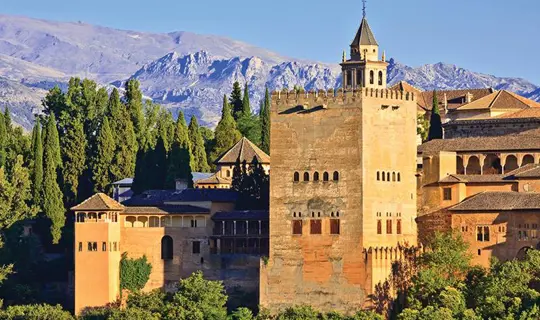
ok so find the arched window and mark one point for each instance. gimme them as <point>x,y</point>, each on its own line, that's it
<point>166,248</point>
<point>81,216</point>
<point>383,176</point>
<point>296,177</point>
<point>228,173</point>
<point>378,176</point>
<point>388,176</point>
<point>398,177</point>
<point>326,176</point>
<point>349,78</point>
<point>306,176</point>
<point>359,77</point>
<point>393,176</point>
<point>316,176</point>
<point>336,176</point>
<point>371,77</point>
<point>380,78</point>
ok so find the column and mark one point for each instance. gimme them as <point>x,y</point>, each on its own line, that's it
<point>234,227</point>
<point>353,79</point>
<point>247,227</point>
<point>223,227</point>
<point>259,227</point>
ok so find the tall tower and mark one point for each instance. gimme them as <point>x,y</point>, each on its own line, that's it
<point>97,252</point>
<point>364,69</point>
<point>343,187</point>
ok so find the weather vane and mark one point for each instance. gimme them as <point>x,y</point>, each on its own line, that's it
<point>364,8</point>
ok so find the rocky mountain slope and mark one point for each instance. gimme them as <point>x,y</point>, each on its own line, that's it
<point>179,69</point>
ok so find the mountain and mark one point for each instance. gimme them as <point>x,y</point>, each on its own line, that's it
<point>179,69</point>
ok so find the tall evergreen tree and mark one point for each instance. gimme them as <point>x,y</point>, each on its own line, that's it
<point>158,166</point>
<point>200,163</point>
<point>37,172</point>
<point>73,151</point>
<point>264,115</point>
<point>53,206</point>
<point>102,176</point>
<point>236,101</point>
<point>435,124</point>
<point>3,141</point>
<point>246,108</point>
<point>226,134</point>
<point>134,103</point>
<point>180,155</point>
<point>7,120</point>
<point>123,164</point>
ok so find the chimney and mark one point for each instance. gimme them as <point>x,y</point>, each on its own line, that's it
<point>181,184</point>
<point>445,103</point>
<point>468,97</point>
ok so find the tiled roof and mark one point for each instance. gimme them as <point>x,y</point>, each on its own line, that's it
<point>99,201</point>
<point>455,98</point>
<point>364,35</point>
<point>214,179</point>
<point>241,215</point>
<point>125,181</point>
<point>171,209</point>
<point>244,150</point>
<point>473,178</point>
<point>521,114</point>
<point>200,175</point>
<point>505,201</point>
<point>197,195</point>
<point>500,100</point>
<point>405,86</point>
<point>150,198</point>
<point>530,170</point>
<point>508,143</point>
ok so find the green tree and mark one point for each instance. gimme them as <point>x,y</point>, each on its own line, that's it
<point>236,101</point>
<point>226,134</point>
<point>422,127</point>
<point>53,207</point>
<point>37,172</point>
<point>264,116</point>
<point>134,104</point>
<point>35,312</point>
<point>180,155</point>
<point>73,142</point>
<point>134,273</point>
<point>3,140</point>
<point>123,164</point>
<point>197,299</point>
<point>246,107</point>
<point>102,175</point>
<point>199,163</point>
<point>435,124</point>
<point>241,314</point>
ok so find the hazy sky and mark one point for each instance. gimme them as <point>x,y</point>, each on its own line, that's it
<point>491,36</point>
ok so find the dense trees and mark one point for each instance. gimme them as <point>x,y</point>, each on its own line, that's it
<point>435,124</point>
<point>226,134</point>
<point>199,163</point>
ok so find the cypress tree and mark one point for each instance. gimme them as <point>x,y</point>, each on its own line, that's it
<point>73,151</point>
<point>246,108</point>
<point>226,134</point>
<point>236,101</point>
<point>3,141</point>
<point>134,103</point>
<point>158,166</point>
<point>37,172</point>
<point>7,121</point>
<point>200,163</point>
<point>264,115</point>
<point>53,207</point>
<point>102,176</point>
<point>180,155</point>
<point>123,164</point>
<point>435,124</point>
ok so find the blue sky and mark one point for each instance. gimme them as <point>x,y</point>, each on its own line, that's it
<point>491,36</point>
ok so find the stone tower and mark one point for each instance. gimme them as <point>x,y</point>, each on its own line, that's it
<point>343,187</point>
<point>97,252</point>
<point>364,69</point>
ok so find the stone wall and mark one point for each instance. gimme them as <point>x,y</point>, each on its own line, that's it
<point>489,127</point>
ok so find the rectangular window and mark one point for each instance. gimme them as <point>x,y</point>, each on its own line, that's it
<point>482,233</point>
<point>334,226</point>
<point>104,246</point>
<point>196,247</point>
<point>89,246</point>
<point>94,246</point>
<point>115,248</point>
<point>193,223</point>
<point>80,246</point>
<point>316,226</point>
<point>388,226</point>
<point>447,193</point>
<point>398,226</point>
<point>379,227</point>
<point>297,227</point>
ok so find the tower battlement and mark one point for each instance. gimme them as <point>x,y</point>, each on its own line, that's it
<point>322,97</point>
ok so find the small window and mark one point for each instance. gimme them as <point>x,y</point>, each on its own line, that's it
<point>380,78</point>
<point>89,246</point>
<point>306,176</point>
<point>334,226</point>
<point>371,77</point>
<point>482,233</point>
<point>398,226</point>
<point>166,248</point>
<point>393,176</point>
<point>383,176</point>
<point>194,223</point>
<point>326,176</point>
<point>115,247</point>
<point>479,252</point>
<point>447,193</point>
<point>399,177</point>
<point>297,227</point>
<point>228,173</point>
<point>316,176</point>
<point>388,176</point>
<point>296,177</point>
<point>315,226</point>
<point>318,214</point>
<point>388,226</point>
<point>104,246</point>
<point>336,176</point>
<point>80,246</point>
<point>378,176</point>
<point>379,227</point>
<point>94,246</point>
<point>337,214</point>
<point>196,247</point>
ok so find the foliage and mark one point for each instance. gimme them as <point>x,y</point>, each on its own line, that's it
<point>435,124</point>
<point>249,126</point>
<point>299,313</point>
<point>236,101</point>
<point>199,163</point>
<point>53,206</point>
<point>226,134</point>
<point>241,314</point>
<point>180,155</point>
<point>422,127</point>
<point>134,273</point>
<point>102,175</point>
<point>252,184</point>
<point>133,98</point>
<point>37,172</point>
<point>264,116</point>
<point>35,312</point>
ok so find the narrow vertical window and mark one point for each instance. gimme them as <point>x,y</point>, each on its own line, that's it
<point>371,77</point>
<point>398,226</point>
<point>380,78</point>
<point>336,176</point>
<point>316,176</point>
<point>104,246</point>
<point>393,176</point>
<point>89,246</point>
<point>399,177</point>
<point>447,194</point>
<point>383,176</point>
<point>297,227</point>
<point>486,233</point>
<point>315,226</point>
<point>196,247</point>
<point>388,226</point>
<point>166,248</point>
<point>334,226</point>
<point>378,176</point>
<point>94,246</point>
<point>388,176</point>
<point>306,176</point>
<point>296,177</point>
<point>326,176</point>
<point>379,227</point>
<point>359,77</point>
<point>80,246</point>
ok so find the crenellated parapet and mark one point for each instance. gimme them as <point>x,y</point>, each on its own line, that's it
<point>388,253</point>
<point>325,97</point>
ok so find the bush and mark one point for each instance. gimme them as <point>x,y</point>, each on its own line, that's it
<point>134,273</point>
<point>35,312</point>
<point>241,314</point>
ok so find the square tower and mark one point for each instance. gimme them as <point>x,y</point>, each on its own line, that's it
<point>343,194</point>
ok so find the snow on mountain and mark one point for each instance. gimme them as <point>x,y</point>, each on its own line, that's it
<point>180,70</point>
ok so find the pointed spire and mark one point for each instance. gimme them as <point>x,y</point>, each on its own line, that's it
<point>364,36</point>
<point>344,57</point>
<point>364,9</point>
<point>384,56</point>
